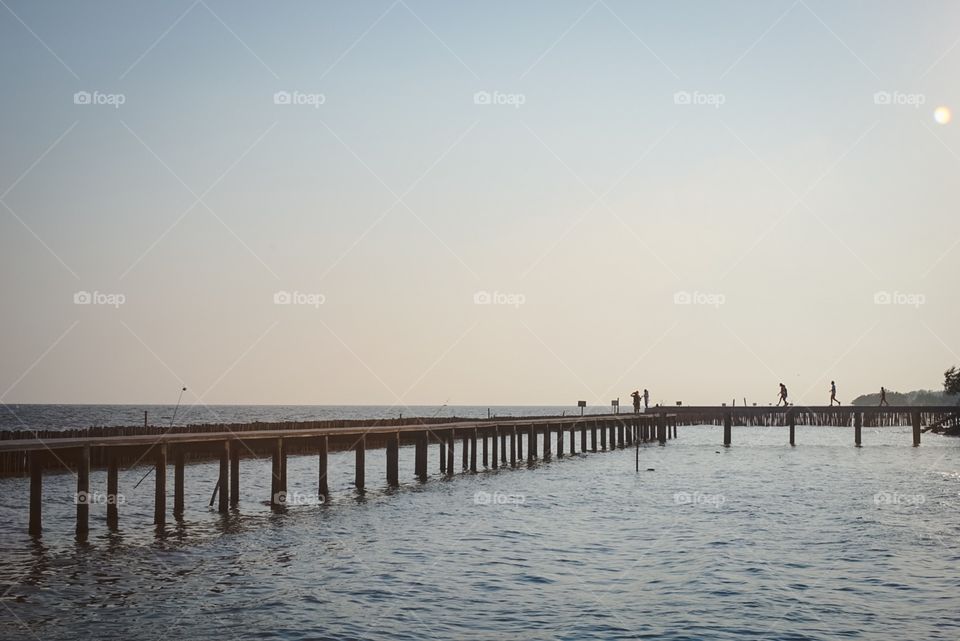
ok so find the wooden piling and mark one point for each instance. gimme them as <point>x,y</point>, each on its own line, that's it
<point>178,465</point>
<point>532,443</point>
<point>113,483</point>
<point>519,434</point>
<point>473,450</point>
<point>160,486</point>
<point>916,428</point>
<point>559,440</point>
<point>620,436</point>
<point>547,453</point>
<point>323,484</point>
<point>583,436</point>
<point>83,492</point>
<point>494,454</point>
<point>450,453</point>
<point>486,456</point>
<point>443,453</point>
<point>593,436</point>
<point>503,444</point>
<point>573,442</point>
<point>422,443</point>
<point>857,427</point>
<point>393,459</point>
<point>278,491</point>
<point>360,465</point>
<point>727,429</point>
<point>792,421</point>
<point>603,437</point>
<point>235,474</point>
<point>465,452</point>
<point>36,493</point>
<point>513,446</point>
<point>223,505</point>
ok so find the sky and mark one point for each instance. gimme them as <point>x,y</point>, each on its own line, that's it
<point>422,202</point>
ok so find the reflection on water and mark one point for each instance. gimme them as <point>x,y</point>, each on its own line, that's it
<point>820,541</point>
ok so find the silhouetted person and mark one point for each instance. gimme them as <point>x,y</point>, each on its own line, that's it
<point>646,399</point>
<point>883,397</point>
<point>783,395</point>
<point>833,394</point>
<point>636,401</point>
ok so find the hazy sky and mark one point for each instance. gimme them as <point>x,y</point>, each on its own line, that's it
<point>626,158</point>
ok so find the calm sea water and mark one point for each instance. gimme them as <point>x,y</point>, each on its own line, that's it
<point>758,541</point>
<point>57,417</point>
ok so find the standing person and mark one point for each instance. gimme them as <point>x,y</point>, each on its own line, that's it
<point>646,399</point>
<point>883,397</point>
<point>833,394</point>
<point>636,401</point>
<point>783,395</point>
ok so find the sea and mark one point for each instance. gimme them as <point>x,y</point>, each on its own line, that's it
<point>759,540</point>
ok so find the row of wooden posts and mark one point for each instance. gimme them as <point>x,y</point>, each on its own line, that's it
<point>791,421</point>
<point>505,447</point>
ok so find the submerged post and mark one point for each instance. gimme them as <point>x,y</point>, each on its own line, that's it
<point>532,443</point>
<point>83,492</point>
<point>603,437</point>
<point>559,440</point>
<point>178,459</point>
<point>593,436</point>
<point>473,450</point>
<point>486,455</point>
<point>160,488</point>
<point>113,482</point>
<point>443,453</point>
<point>450,438</point>
<point>857,425</point>
<point>393,459</point>
<point>36,492</point>
<point>513,446</point>
<point>360,465</point>
<point>423,442</point>
<point>727,429</point>
<point>792,420</point>
<point>494,442</point>
<point>916,429</point>
<point>323,485</point>
<point>223,505</point>
<point>278,486</point>
<point>235,474</point>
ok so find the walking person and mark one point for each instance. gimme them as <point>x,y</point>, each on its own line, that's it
<point>883,397</point>
<point>833,394</point>
<point>783,395</point>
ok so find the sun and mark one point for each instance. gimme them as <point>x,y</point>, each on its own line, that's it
<point>942,115</point>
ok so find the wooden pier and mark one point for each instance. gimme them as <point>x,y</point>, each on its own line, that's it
<point>230,445</point>
<point>854,416</point>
